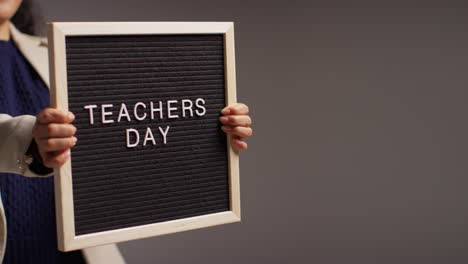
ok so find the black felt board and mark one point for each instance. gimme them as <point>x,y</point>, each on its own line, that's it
<point>116,187</point>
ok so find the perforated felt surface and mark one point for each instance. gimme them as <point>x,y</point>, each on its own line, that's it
<point>115,186</point>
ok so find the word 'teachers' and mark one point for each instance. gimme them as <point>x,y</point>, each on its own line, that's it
<point>142,111</point>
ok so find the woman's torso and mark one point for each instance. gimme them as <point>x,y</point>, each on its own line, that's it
<point>28,202</point>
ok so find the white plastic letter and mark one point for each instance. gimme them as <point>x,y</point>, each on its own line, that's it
<point>123,112</point>
<point>197,103</point>
<point>187,107</point>
<point>160,110</point>
<point>91,113</point>
<point>169,109</point>
<point>149,136</point>
<point>104,113</point>
<point>164,133</point>
<point>136,113</point>
<point>137,137</point>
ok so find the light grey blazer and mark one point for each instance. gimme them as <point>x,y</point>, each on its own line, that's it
<point>15,137</point>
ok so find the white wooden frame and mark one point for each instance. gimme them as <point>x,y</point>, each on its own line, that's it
<point>67,240</point>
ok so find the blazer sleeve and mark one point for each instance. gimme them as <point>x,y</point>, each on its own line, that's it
<point>15,137</point>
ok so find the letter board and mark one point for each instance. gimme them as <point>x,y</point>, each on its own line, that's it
<point>150,158</point>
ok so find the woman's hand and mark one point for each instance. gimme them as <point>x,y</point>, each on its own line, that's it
<point>53,134</point>
<point>236,122</point>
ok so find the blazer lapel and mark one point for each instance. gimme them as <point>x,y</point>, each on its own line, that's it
<point>34,49</point>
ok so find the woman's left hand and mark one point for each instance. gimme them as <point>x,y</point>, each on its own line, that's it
<point>236,122</point>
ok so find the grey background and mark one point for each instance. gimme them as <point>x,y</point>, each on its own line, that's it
<point>360,148</point>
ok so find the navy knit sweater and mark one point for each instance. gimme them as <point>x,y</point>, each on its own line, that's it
<point>28,202</point>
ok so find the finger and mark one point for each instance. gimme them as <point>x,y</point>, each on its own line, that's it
<point>236,109</point>
<point>52,115</point>
<point>238,144</point>
<point>54,130</point>
<point>56,159</point>
<point>55,144</point>
<point>236,120</point>
<point>242,132</point>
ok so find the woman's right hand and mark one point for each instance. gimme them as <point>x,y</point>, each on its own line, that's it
<point>54,136</point>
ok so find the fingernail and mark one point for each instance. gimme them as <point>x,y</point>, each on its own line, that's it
<point>71,116</point>
<point>223,119</point>
<point>74,140</point>
<point>67,153</point>
<point>239,143</point>
<point>225,128</point>
<point>226,111</point>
